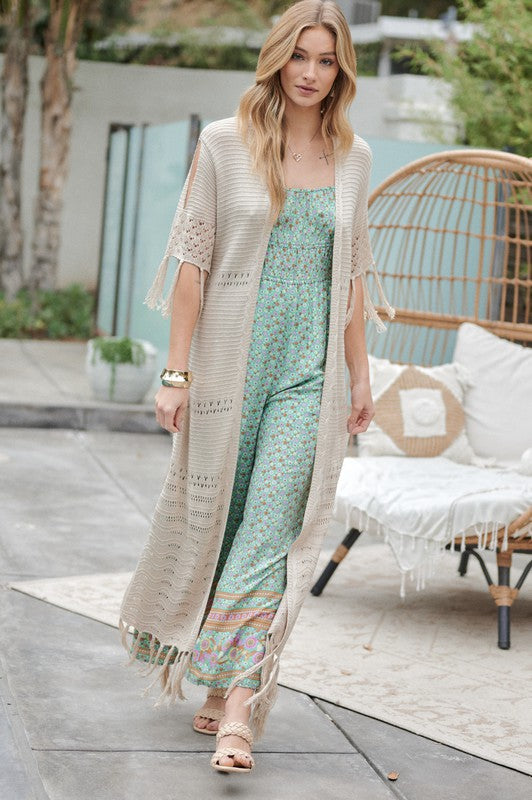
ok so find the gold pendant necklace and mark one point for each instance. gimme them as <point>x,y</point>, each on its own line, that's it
<point>298,156</point>
<point>295,156</point>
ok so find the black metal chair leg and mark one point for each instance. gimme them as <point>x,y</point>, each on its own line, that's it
<point>338,555</point>
<point>504,611</point>
<point>464,558</point>
<point>504,596</point>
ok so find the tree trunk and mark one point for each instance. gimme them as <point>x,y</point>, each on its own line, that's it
<point>14,90</point>
<point>56,125</point>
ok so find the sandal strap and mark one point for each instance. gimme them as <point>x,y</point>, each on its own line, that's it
<point>232,751</point>
<point>210,713</point>
<point>238,728</point>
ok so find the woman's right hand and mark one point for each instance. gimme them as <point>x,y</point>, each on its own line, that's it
<point>170,406</point>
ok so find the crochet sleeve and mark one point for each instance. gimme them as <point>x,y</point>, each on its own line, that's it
<point>193,229</point>
<point>362,259</point>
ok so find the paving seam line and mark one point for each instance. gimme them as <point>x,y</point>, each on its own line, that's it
<point>376,769</point>
<point>26,752</point>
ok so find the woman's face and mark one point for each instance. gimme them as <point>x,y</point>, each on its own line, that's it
<point>310,72</point>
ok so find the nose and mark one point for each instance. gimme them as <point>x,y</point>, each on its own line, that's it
<point>309,73</point>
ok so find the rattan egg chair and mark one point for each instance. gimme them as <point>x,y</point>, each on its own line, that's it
<point>451,236</point>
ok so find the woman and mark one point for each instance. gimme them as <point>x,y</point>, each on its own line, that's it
<point>267,304</point>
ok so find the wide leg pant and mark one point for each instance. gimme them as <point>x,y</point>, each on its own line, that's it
<point>281,407</point>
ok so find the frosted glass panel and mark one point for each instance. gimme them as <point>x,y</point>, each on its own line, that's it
<point>146,173</point>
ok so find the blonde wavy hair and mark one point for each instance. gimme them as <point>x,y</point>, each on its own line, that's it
<point>260,113</point>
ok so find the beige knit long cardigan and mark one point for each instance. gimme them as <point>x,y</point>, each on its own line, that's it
<point>223,228</point>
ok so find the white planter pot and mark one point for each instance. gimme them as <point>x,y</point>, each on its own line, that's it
<point>131,382</point>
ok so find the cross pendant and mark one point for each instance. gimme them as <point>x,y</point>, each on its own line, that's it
<point>325,156</point>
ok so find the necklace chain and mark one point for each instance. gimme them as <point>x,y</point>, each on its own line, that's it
<point>298,156</point>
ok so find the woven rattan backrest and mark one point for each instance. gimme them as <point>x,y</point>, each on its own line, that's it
<point>451,236</point>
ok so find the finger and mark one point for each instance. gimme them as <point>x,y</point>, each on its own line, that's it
<point>165,417</point>
<point>169,423</point>
<point>180,413</point>
<point>355,415</point>
<point>177,421</point>
<point>359,424</point>
<point>160,416</point>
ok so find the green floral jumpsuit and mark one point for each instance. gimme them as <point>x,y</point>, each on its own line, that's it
<point>280,412</point>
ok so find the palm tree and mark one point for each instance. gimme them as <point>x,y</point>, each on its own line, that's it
<point>61,38</point>
<point>14,92</point>
<point>65,19</point>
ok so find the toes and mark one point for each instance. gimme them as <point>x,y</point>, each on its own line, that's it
<point>235,761</point>
<point>206,723</point>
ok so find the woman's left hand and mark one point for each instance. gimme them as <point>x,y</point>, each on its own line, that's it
<point>362,408</point>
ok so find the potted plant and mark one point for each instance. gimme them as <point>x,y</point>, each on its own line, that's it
<point>119,368</point>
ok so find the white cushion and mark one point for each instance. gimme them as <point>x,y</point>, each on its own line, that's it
<point>418,412</point>
<point>498,406</point>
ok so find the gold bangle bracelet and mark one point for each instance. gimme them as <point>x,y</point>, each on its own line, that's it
<point>172,374</point>
<point>176,384</point>
<point>176,378</point>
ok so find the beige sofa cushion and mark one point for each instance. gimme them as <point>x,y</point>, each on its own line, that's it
<point>418,412</point>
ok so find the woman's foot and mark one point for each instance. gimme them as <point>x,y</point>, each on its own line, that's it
<point>235,711</point>
<point>211,701</point>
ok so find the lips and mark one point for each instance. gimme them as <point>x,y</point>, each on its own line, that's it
<point>306,89</point>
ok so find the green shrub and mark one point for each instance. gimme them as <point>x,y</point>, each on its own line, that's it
<point>490,75</point>
<point>67,313</point>
<point>51,314</point>
<point>15,317</point>
<point>117,350</point>
<point>122,350</point>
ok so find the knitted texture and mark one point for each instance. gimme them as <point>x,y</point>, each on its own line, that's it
<point>223,228</point>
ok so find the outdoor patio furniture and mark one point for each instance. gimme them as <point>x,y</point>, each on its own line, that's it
<point>451,237</point>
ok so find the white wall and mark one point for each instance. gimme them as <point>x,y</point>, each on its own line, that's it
<point>131,93</point>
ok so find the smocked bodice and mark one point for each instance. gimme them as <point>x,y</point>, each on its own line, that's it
<point>301,241</point>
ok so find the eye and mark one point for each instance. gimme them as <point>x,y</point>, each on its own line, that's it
<point>296,56</point>
<point>327,61</point>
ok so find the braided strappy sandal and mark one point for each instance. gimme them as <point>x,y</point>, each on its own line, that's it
<point>242,730</point>
<point>210,713</point>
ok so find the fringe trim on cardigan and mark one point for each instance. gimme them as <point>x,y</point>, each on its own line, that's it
<point>370,311</point>
<point>154,298</point>
<point>171,677</point>
<point>263,699</point>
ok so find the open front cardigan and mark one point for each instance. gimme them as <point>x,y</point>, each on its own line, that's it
<point>224,228</point>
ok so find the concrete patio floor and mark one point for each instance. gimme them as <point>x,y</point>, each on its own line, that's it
<point>73,723</point>
<point>43,384</point>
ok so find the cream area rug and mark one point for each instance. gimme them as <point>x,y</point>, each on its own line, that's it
<point>428,663</point>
